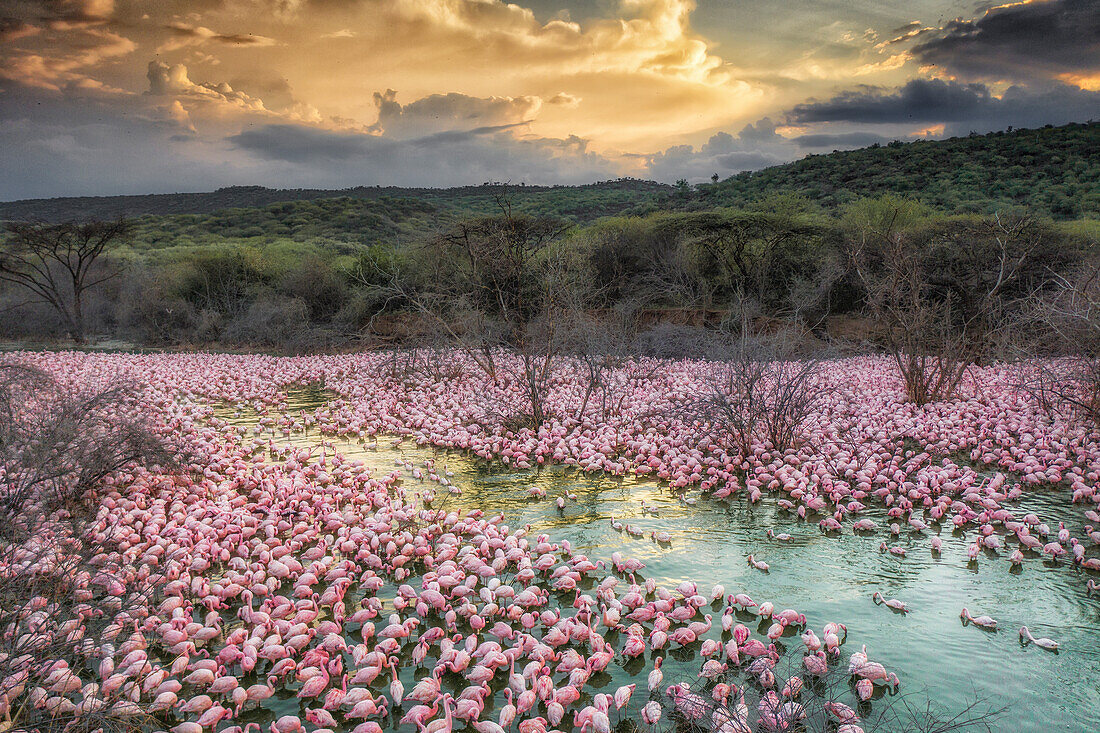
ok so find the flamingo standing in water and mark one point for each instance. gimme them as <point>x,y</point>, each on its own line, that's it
<point>656,676</point>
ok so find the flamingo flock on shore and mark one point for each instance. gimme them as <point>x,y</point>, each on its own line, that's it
<point>280,569</point>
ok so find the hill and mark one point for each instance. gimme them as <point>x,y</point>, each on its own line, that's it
<point>1052,170</point>
<point>578,203</point>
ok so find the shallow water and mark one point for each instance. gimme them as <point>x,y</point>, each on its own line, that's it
<point>829,578</point>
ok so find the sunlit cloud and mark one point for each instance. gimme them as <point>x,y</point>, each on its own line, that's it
<point>622,87</point>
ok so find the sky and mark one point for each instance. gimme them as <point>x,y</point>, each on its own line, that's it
<point>102,97</point>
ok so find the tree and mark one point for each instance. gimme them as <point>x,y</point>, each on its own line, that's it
<point>759,392</point>
<point>490,283</point>
<point>930,354</point>
<point>59,263</point>
<point>751,250</point>
<point>1067,387</point>
<point>940,288</point>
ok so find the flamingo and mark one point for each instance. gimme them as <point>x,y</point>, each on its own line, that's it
<point>891,603</point>
<point>1043,643</point>
<point>985,622</point>
<point>656,675</point>
<point>441,726</point>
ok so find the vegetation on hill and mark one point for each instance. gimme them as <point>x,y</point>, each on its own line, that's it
<point>1052,170</point>
<point>576,203</point>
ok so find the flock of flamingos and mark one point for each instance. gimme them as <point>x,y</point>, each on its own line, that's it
<point>293,573</point>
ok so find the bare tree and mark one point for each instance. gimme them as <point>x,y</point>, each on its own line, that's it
<point>66,591</point>
<point>1065,381</point>
<point>938,295</point>
<point>757,389</point>
<point>930,354</point>
<point>59,263</point>
<point>495,285</point>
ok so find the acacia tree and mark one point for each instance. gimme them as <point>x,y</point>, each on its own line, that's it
<point>58,263</point>
<point>749,248</point>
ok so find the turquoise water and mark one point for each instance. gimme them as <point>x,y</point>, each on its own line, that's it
<point>829,578</point>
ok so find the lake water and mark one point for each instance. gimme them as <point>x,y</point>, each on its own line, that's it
<point>829,578</point>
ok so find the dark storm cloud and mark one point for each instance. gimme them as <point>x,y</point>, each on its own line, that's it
<point>1019,42</point>
<point>918,101</point>
<point>449,113</point>
<point>444,159</point>
<point>756,146</point>
<point>962,107</point>
<point>748,160</point>
<point>296,144</point>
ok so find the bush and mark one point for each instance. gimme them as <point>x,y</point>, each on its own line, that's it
<point>224,281</point>
<point>273,321</point>
<point>318,285</point>
<point>149,310</point>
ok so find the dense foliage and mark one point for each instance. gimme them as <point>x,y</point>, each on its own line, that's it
<point>1054,170</point>
<point>577,203</point>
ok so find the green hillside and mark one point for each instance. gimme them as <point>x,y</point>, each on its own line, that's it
<point>578,203</point>
<point>1052,170</point>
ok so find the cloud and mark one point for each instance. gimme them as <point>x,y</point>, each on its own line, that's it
<point>179,114</point>
<point>964,107</point>
<point>756,146</point>
<point>87,145</point>
<point>1021,41</point>
<point>438,113</point>
<point>165,79</point>
<point>454,158</point>
<point>918,101</point>
<point>184,35</point>
<point>85,48</point>
<point>564,99</point>
<point>12,29</point>
<point>762,130</point>
<point>295,144</point>
<point>493,89</point>
<point>68,12</point>
<point>908,32</point>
